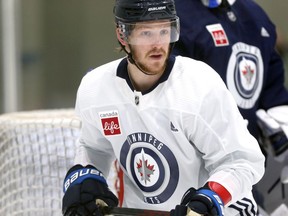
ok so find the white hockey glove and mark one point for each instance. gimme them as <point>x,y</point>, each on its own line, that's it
<point>274,126</point>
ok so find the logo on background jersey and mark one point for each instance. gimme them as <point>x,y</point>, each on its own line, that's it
<point>264,32</point>
<point>152,166</point>
<point>245,74</point>
<point>218,34</point>
<point>110,122</point>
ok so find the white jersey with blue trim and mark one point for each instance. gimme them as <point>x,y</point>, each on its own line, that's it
<point>183,132</point>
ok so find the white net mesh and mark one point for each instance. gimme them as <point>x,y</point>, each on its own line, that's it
<point>36,150</point>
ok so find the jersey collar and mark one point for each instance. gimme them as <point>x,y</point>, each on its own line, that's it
<point>122,72</point>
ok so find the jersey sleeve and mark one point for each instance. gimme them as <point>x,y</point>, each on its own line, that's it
<point>274,92</point>
<point>231,154</point>
<point>92,147</point>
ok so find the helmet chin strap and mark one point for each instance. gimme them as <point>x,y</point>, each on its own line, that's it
<point>132,61</point>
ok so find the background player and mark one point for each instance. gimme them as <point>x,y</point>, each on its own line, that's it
<point>173,131</point>
<point>237,39</point>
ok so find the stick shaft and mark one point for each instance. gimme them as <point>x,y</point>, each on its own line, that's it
<point>139,212</point>
<point>133,212</point>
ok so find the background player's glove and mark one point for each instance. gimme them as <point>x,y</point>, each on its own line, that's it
<point>202,201</point>
<point>82,187</point>
<point>274,127</point>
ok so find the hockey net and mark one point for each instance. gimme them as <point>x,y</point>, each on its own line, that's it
<point>36,150</point>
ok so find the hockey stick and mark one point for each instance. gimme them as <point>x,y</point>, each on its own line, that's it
<point>120,211</point>
<point>117,211</point>
<point>138,212</point>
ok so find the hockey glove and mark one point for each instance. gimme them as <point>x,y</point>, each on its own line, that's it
<point>202,201</point>
<point>274,131</point>
<point>82,187</point>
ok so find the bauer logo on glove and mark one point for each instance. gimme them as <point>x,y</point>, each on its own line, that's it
<point>80,175</point>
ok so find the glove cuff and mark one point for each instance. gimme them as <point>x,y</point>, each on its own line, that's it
<point>79,175</point>
<point>216,200</point>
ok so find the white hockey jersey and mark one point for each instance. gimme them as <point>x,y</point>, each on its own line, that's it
<point>183,132</point>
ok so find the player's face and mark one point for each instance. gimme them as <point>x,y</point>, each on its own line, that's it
<point>149,43</point>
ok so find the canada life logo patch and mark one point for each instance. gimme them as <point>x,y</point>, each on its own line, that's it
<point>218,34</point>
<point>110,122</point>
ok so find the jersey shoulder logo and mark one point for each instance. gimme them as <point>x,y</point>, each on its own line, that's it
<point>264,32</point>
<point>110,122</point>
<point>173,128</point>
<point>218,34</point>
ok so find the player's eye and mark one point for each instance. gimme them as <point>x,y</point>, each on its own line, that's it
<point>164,32</point>
<point>146,34</point>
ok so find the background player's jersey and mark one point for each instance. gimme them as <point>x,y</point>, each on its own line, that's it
<point>238,43</point>
<point>182,132</point>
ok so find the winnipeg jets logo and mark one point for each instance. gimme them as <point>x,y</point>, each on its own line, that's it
<point>151,165</point>
<point>144,168</point>
<point>248,70</point>
<point>245,74</point>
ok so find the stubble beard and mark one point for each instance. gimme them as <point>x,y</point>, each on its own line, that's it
<point>156,67</point>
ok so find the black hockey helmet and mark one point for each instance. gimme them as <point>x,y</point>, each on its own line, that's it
<point>129,12</point>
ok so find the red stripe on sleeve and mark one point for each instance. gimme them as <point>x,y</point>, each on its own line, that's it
<point>221,191</point>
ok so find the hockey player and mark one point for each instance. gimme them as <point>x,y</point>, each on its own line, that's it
<point>175,133</point>
<point>237,39</point>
